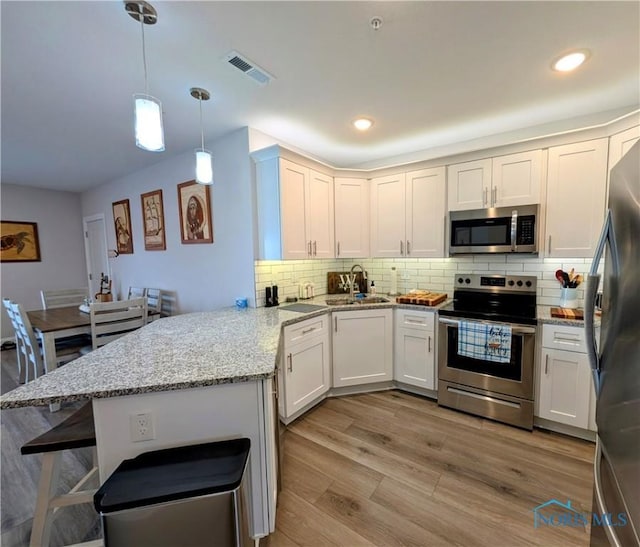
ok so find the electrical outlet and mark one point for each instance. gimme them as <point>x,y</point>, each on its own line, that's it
<point>141,427</point>
<point>405,275</point>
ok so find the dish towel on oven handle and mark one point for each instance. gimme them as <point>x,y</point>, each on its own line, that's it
<point>485,341</point>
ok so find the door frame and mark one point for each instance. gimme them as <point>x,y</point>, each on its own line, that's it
<point>87,253</point>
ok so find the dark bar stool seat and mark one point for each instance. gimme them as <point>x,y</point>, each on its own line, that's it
<point>77,431</point>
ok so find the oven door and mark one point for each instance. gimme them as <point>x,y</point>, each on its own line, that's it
<point>514,378</point>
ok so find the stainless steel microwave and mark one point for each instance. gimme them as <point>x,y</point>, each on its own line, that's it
<point>496,230</point>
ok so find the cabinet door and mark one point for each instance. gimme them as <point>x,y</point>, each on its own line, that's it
<point>577,177</point>
<point>387,216</point>
<point>425,213</point>
<point>307,373</point>
<point>352,217</point>
<point>293,204</point>
<point>516,179</point>
<point>620,143</point>
<point>320,215</point>
<point>564,388</point>
<point>362,347</point>
<point>468,185</point>
<point>414,357</point>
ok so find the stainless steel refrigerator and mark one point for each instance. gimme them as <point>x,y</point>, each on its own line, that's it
<point>616,362</point>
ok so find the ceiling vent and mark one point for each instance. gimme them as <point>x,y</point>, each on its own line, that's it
<point>249,68</point>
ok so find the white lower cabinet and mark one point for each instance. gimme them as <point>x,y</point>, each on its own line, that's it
<point>305,370</point>
<point>362,347</point>
<point>565,385</point>
<point>414,355</point>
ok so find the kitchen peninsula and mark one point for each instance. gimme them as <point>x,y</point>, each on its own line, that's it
<point>201,377</point>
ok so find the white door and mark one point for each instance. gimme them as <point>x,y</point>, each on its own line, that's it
<point>425,213</point>
<point>388,216</point>
<point>516,179</point>
<point>320,215</point>
<point>95,246</point>
<point>469,184</point>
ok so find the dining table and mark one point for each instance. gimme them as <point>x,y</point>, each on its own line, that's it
<point>54,324</point>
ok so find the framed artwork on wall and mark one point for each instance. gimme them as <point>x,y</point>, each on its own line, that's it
<point>19,241</point>
<point>122,223</point>
<point>194,202</point>
<point>153,221</point>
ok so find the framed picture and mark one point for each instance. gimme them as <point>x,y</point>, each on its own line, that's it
<point>153,221</point>
<point>194,202</point>
<point>122,223</point>
<point>19,241</point>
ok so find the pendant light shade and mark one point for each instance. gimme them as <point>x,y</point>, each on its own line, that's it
<point>147,109</point>
<point>204,161</point>
<point>148,123</point>
<point>204,167</point>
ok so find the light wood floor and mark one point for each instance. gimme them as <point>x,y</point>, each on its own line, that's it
<point>381,469</point>
<point>395,469</point>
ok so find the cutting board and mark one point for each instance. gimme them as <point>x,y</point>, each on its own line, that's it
<point>333,282</point>
<point>566,313</point>
<point>422,299</point>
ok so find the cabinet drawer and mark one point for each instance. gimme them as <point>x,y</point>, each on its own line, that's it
<point>306,329</point>
<point>410,319</point>
<point>565,338</point>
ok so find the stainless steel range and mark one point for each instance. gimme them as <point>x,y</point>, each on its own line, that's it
<point>492,376</point>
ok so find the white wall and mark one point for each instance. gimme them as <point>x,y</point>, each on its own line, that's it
<point>204,276</point>
<point>63,265</point>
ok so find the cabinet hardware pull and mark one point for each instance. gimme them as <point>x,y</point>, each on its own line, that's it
<point>546,364</point>
<point>568,338</point>
<point>408,248</point>
<point>416,321</point>
<point>401,247</point>
<point>309,252</point>
<point>307,331</point>
<point>290,367</point>
<point>494,195</point>
<point>335,324</point>
<point>315,248</point>
<point>484,196</point>
<point>429,350</point>
<point>549,245</point>
<point>338,249</point>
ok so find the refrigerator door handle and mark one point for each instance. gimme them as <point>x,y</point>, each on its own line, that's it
<point>593,281</point>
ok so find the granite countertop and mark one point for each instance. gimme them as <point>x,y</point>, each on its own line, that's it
<point>191,350</point>
<point>543,314</point>
<point>185,351</point>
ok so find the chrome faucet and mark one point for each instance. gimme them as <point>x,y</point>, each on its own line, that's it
<point>352,279</point>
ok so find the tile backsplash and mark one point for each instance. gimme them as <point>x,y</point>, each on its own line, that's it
<point>435,274</point>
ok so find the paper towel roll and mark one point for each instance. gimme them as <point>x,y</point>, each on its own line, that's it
<point>393,291</point>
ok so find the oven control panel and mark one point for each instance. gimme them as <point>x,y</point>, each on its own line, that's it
<point>496,283</point>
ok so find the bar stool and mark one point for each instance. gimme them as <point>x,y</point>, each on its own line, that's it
<point>76,431</point>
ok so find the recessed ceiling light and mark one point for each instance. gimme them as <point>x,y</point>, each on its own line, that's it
<point>362,124</point>
<point>570,61</point>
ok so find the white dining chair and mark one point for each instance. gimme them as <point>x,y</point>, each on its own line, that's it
<point>154,303</point>
<point>111,320</point>
<point>63,298</point>
<point>20,352</point>
<point>136,292</point>
<point>30,347</point>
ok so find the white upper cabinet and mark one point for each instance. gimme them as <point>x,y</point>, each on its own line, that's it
<point>295,211</point>
<point>516,179</point>
<point>468,185</point>
<point>576,184</point>
<point>408,214</point>
<point>352,217</point>
<point>503,181</point>
<point>620,143</point>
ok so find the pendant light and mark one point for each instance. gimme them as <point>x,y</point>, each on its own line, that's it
<point>147,109</point>
<point>204,168</point>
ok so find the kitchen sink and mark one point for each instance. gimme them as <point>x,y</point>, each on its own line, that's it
<point>343,301</point>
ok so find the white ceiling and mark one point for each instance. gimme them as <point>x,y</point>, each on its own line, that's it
<point>436,73</point>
